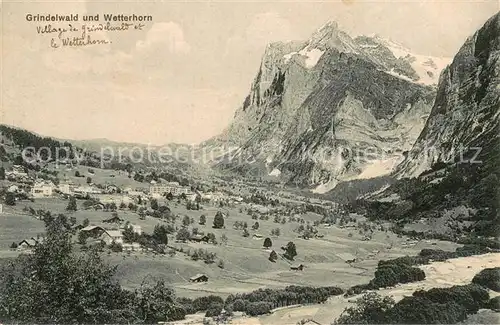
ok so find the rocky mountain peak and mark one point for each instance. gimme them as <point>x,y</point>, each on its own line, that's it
<point>465,118</point>
<point>314,103</point>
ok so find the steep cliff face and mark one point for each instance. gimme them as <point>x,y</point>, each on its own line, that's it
<point>328,109</point>
<point>464,121</point>
<point>449,180</point>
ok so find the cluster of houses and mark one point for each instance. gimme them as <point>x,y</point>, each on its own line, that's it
<point>40,188</point>
<point>96,234</point>
<point>158,190</point>
<point>17,174</point>
<point>110,236</point>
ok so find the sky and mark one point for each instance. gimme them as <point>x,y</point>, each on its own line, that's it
<point>180,77</point>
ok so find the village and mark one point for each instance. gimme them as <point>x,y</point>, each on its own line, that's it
<point>203,236</point>
<point>109,210</point>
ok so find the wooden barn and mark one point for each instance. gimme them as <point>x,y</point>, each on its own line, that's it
<point>299,267</point>
<point>199,278</point>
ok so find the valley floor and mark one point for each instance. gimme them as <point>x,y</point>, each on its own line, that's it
<point>458,271</point>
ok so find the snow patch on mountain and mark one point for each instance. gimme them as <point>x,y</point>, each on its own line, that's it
<point>428,68</point>
<point>380,167</point>
<point>312,56</point>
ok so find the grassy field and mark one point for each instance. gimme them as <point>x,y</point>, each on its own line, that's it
<point>457,271</point>
<point>246,264</point>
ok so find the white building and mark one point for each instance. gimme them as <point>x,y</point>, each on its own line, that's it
<point>17,171</point>
<point>137,229</point>
<point>170,187</point>
<point>65,188</point>
<point>110,236</point>
<point>42,189</point>
<point>114,198</point>
<point>13,189</point>
<point>133,247</point>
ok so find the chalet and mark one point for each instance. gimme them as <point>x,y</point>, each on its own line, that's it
<point>28,244</point>
<point>93,231</point>
<point>199,278</point>
<point>114,219</point>
<point>199,238</point>
<point>299,267</point>
<point>110,236</point>
<point>110,189</point>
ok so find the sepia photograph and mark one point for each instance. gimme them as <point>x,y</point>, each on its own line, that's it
<point>250,162</point>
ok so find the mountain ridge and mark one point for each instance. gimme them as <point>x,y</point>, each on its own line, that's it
<point>308,86</point>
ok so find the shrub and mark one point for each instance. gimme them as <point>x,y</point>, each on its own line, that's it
<point>258,308</point>
<point>239,305</point>
<point>488,278</point>
<point>214,310</point>
<point>471,296</point>
<point>494,303</point>
<point>392,272</point>
<point>202,303</point>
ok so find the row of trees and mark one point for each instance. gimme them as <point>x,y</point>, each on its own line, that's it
<point>54,285</point>
<point>435,306</point>
<point>262,301</point>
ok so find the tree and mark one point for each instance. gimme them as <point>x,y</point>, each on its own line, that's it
<point>85,222</point>
<point>52,285</point>
<point>218,220</point>
<point>268,242</point>
<point>82,238</point>
<point>185,221</point>
<point>371,308</point>
<point>276,232</point>
<point>116,247</point>
<point>89,180</point>
<point>160,234</point>
<point>203,219</point>
<point>13,245</point>
<point>157,303</point>
<point>154,204</point>
<point>214,310</point>
<point>129,236</point>
<point>273,256</point>
<point>488,278</point>
<point>169,196</point>
<point>77,173</point>
<point>10,198</point>
<point>183,235</point>
<point>72,204</point>
<point>2,172</point>
<point>245,232</point>
<point>290,251</point>
<point>223,239</point>
<point>255,225</point>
